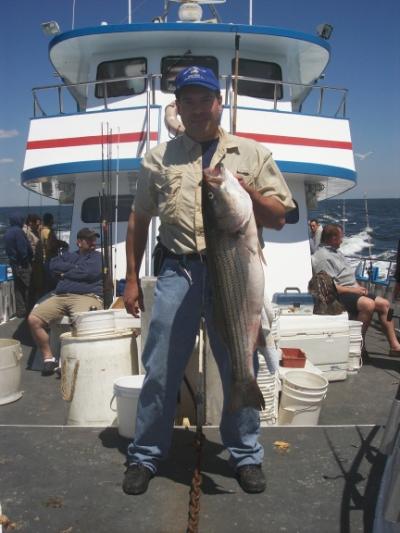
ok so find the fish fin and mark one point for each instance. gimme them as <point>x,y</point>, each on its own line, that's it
<point>246,395</point>
<point>260,339</point>
<point>261,254</point>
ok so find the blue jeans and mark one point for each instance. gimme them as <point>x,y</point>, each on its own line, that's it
<point>182,296</point>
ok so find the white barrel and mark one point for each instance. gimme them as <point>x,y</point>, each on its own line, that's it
<point>302,395</point>
<point>10,370</point>
<point>126,392</point>
<point>89,367</point>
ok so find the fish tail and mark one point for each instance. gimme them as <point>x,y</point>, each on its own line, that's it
<point>246,395</point>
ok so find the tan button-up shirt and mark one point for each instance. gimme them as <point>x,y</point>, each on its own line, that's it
<point>169,184</point>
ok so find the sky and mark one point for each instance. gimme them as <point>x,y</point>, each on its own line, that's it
<point>365,60</point>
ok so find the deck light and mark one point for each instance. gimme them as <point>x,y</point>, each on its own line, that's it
<point>50,28</point>
<point>324,31</point>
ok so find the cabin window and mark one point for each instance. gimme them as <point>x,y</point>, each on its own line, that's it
<point>292,217</point>
<point>90,211</point>
<point>122,68</point>
<point>262,70</point>
<point>172,65</point>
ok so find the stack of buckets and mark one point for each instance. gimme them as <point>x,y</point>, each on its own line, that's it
<point>94,356</point>
<point>356,344</point>
<point>302,395</point>
<point>268,383</point>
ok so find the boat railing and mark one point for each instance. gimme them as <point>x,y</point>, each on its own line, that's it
<point>375,274</point>
<point>65,99</point>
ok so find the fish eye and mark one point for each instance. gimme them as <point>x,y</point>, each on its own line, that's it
<point>210,195</point>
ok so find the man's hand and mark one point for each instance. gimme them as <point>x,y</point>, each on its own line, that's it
<point>269,212</point>
<point>362,291</point>
<point>133,298</point>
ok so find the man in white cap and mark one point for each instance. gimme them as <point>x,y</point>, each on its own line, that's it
<point>169,187</point>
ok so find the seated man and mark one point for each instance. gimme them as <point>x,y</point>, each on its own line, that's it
<point>356,300</point>
<point>79,289</point>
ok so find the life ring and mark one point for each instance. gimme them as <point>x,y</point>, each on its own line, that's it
<point>173,123</point>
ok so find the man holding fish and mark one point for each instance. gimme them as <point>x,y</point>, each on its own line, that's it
<point>211,190</point>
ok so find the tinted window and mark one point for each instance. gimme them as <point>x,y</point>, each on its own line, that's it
<point>90,212</point>
<point>261,70</point>
<point>172,65</point>
<point>123,68</point>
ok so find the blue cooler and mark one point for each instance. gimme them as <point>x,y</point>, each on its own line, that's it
<point>292,301</point>
<point>3,273</point>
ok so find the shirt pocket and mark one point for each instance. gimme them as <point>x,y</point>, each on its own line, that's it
<point>169,192</point>
<point>246,175</point>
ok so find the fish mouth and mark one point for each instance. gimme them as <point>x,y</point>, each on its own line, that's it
<point>213,177</point>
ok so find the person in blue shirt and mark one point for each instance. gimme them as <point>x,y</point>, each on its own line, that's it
<point>79,289</point>
<point>19,252</point>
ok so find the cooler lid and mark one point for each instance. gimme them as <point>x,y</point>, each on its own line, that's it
<point>290,325</point>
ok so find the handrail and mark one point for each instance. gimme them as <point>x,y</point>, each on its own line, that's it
<point>150,88</point>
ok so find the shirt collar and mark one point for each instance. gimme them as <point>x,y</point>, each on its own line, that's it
<point>226,140</point>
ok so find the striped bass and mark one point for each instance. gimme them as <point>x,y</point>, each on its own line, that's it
<point>237,278</point>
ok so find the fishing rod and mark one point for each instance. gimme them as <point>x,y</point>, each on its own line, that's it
<point>116,204</point>
<point>236,82</point>
<point>104,201</point>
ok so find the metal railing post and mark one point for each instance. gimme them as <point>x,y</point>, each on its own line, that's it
<point>148,96</point>
<point>321,99</point>
<point>60,101</point>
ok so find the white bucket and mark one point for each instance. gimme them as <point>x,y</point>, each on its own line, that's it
<point>302,396</point>
<point>93,322</point>
<point>89,367</point>
<point>10,371</point>
<point>126,391</point>
<point>305,381</point>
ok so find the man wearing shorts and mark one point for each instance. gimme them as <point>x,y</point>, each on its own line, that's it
<point>355,299</point>
<point>79,289</point>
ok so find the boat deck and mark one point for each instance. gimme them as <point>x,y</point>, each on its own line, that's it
<point>57,478</point>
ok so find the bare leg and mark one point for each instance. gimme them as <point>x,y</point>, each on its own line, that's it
<point>40,335</point>
<point>382,307</point>
<point>366,308</point>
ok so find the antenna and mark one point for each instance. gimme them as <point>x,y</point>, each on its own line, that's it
<point>73,14</point>
<point>250,12</point>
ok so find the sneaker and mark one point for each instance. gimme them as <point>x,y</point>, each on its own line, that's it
<point>137,478</point>
<point>49,368</point>
<point>251,478</point>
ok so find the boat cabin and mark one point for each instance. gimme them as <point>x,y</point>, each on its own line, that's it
<point>115,100</point>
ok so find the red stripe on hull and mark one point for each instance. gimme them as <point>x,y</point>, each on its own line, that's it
<point>300,141</point>
<point>90,140</point>
<point>140,136</point>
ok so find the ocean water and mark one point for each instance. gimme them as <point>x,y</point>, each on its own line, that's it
<point>372,227</point>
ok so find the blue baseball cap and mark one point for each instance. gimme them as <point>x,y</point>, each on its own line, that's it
<point>201,76</point>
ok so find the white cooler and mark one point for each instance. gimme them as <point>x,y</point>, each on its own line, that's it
<point>325,339</point>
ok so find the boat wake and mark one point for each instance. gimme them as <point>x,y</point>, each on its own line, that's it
<point>355,244</point>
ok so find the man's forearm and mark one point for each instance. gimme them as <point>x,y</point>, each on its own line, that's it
<point>136,239</point>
